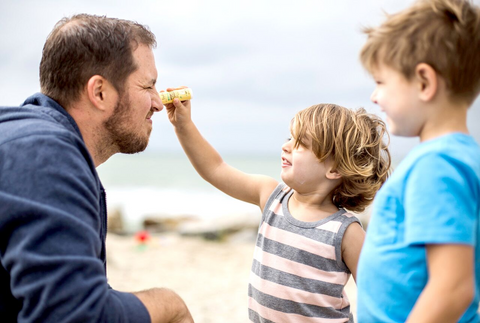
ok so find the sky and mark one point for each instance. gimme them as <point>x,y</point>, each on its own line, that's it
<point>252,64</point>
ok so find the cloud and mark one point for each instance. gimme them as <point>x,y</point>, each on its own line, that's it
<point>252,64</point>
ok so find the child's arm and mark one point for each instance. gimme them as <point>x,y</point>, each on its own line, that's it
<point>450,287</point>
<point>351,246</point>
<point>209,164</point>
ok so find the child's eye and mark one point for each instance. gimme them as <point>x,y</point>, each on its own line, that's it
<point>288,139</point>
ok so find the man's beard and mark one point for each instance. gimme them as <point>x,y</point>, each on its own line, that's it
<point>118,127</point>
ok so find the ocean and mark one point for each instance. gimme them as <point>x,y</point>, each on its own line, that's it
<point>152,184</point>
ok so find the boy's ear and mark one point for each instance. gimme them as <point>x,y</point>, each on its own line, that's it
<point>426,78</point>
<point>100,92</point>
<point>333,174</point>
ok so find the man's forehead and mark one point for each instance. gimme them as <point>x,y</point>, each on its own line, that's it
<point>145,61</point>
<point>143,52</point>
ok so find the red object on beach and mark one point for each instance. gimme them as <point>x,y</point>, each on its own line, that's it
<point>142,236</point>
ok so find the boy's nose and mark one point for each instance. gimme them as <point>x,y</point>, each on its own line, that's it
<point>373,97</point>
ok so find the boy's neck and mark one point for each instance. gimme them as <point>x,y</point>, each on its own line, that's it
<point>445,118</point>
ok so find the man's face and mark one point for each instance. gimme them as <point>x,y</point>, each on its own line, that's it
<point>130,124</point>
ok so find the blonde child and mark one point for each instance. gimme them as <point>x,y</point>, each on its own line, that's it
<point>421,258</point>
<point>308,243</point>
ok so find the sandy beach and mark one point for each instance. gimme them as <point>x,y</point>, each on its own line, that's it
<point>212,277</point>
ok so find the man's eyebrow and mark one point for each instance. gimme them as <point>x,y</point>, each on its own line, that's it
<point>147,82</point>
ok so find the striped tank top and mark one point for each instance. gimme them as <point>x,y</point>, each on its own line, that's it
<point>298,274</point>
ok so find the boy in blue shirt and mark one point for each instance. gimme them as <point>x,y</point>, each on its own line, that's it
<point>421,257</point>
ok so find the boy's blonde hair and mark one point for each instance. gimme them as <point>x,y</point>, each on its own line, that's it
<point>444,34</point>
<point>354,140</point>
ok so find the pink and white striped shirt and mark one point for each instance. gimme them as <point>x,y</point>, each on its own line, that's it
<point>298,275</point>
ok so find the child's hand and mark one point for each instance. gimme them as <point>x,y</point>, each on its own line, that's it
<point>179,112</point>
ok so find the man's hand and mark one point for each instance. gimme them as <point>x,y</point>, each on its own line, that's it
<point>165,306</point>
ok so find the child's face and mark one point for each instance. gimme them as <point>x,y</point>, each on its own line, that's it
<point>301,169</point>
<point>397,97</point>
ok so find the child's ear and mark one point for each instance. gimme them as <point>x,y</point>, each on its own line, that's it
<point>333,174</point>
<point>426,78</point>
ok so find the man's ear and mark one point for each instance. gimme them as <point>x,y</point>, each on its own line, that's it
<point>100,92</point>
<point>427,79</point>
<point>333,174</point>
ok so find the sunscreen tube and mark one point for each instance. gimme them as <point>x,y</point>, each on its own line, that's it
<point>182,95</point>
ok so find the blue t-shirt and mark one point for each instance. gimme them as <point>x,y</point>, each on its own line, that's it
<point>433,197</point>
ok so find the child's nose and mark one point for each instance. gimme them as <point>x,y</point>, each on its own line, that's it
<point>373,97</point>
<point>286,145</point>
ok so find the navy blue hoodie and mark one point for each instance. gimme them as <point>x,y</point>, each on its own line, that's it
<point>53,223</point>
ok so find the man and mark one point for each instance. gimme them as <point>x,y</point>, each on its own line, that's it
<point>97,78</point>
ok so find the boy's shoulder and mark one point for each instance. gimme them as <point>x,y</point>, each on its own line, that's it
<point>457,147</point>
<point>450,155</point>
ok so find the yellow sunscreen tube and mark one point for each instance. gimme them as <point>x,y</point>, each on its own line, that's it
<point>181,94</point>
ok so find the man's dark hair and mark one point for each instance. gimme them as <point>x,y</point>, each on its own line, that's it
<point>85,45</point>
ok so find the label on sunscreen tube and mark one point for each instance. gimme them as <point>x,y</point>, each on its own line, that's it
<point>181,94</point>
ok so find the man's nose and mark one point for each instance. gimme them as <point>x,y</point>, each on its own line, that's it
<point>157,104</point>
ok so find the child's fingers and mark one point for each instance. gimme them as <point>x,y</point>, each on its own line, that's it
<point>177,103</point>
<point>170,89</point>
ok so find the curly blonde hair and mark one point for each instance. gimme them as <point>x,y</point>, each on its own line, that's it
<point>354,140</point>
